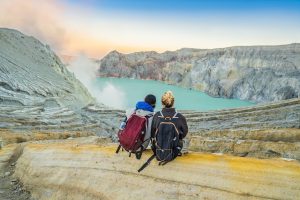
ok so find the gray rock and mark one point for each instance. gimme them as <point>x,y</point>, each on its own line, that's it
<point>6,173</point>
<point>37,92</point>
<point>265,130</point>
<point>255,73</point>
<point>31,74</point>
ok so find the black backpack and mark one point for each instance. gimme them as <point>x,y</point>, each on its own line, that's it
<point>166,145</point>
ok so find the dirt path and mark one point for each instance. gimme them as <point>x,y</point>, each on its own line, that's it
<point>10,187</point>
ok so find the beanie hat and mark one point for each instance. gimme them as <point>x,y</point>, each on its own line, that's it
<point>150,99</point>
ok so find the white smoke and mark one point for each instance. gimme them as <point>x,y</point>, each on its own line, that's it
<point>112,96</point>
<point>85,70</point>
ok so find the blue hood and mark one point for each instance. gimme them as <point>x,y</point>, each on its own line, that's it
<point>144,106</point>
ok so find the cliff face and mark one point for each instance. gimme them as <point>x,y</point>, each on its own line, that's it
<point>31,74</point>
<point>38,93</point>
<point>256,73</point>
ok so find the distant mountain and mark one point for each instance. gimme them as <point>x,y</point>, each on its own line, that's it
<point>255,73</point>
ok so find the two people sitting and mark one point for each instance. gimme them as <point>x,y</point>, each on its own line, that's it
<point>166,129</point>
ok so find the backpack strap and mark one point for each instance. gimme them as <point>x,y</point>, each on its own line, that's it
<point>174,116</point>
<point>161,115</point>
<point>118,149</point>
<point>146,163</point>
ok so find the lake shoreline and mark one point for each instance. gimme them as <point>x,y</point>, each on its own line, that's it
<point>185,98</point>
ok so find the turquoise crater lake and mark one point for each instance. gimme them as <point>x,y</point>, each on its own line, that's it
<point>128,91</point>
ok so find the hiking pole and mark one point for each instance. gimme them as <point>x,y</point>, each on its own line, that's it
<point>146,163</point>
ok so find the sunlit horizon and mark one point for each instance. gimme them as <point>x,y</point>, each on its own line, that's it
<point>95,28</point>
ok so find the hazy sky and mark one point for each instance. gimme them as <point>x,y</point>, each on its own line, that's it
<point>97,27</point>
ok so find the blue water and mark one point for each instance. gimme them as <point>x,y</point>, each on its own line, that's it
<point>185,99</point>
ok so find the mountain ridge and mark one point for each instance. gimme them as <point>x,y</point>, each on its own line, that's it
<point>255,73</point>
<point>199,49</point>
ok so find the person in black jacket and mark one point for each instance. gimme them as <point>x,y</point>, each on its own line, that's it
<point>168,110</point>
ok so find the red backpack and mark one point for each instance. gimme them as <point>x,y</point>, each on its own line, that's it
<point>132,136</point>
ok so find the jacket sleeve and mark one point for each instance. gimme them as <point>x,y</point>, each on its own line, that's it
<point>183,126</point>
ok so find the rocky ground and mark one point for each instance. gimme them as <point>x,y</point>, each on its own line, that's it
<point>266,130</point>
<point>88,168</point>
<point>10,186</point>
<point>255,73</point>
<point>269,130</point>
<point>25,123</point>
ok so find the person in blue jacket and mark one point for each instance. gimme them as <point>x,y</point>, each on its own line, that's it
<point>143,108</point>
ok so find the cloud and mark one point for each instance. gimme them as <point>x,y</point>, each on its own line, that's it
<point>112,96</point>
<point>41,19</point>
<point>48,21</point>
<point>85,70</point>
<point>68,29</point>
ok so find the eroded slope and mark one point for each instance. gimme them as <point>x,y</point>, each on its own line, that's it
<point>38,93</point>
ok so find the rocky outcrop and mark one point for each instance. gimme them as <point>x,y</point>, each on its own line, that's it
<point>266,130</point>
<point>31,74</point>
<point>38,93</point>
<point>21,124</point>
<point>87,168</point>
<point>283,114</point>
<point>255,73</point>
